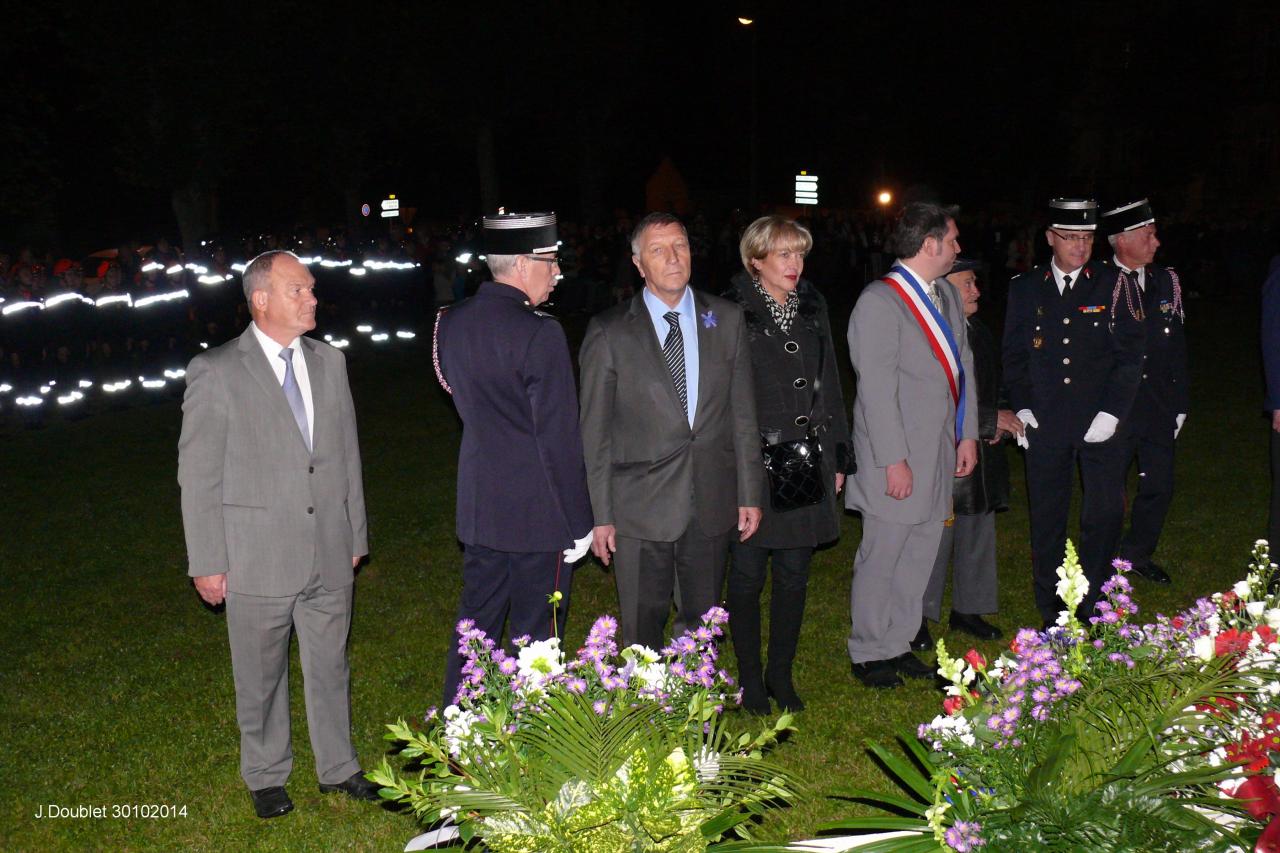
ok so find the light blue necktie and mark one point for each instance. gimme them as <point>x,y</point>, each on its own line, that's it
<point>293,394</point>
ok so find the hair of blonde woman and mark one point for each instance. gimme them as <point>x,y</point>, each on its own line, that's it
<point>772,234</point>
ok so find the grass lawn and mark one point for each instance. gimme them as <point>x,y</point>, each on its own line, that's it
<point>117,680</point>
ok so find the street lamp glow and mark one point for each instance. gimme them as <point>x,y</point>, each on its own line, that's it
<point>885,197</point>
<point>746,22</point>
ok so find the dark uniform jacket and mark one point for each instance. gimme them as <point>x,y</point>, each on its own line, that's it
<point>1163,392</point>
<point>522,484</point>
<point>1068,357</point>
<point>784,386</point>
<point>987,488</point>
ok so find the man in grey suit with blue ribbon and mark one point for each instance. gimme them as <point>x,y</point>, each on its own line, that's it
<point>915,426</point>
<point>670,438</point>
<point>273,511</point>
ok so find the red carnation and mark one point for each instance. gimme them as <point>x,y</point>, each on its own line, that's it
<point>1232,642</point>
<point>974,658</point>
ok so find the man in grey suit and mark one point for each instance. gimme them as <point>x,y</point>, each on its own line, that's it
<point>670,438</point>
<point>273,511</point>
<point>908,346</point>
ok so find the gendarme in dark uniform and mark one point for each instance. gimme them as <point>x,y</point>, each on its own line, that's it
<point>1073,345</point>
<point>1163,399</point>
<point>522,487</point>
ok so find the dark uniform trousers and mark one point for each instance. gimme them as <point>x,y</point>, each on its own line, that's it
<point>1155,494</point>
<point>497,585</point>
<point>1051,470</point>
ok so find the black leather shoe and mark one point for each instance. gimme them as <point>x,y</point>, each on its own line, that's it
<point>357,787</point>
<point>1153,573</point>
<point>271,802</point>
<point>922,642</point>
<point>910,666</point>
<point>877,673</point>
<point>974,625</point>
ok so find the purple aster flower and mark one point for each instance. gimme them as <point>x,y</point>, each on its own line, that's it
<point>599,706</point>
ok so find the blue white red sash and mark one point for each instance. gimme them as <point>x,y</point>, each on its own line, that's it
<point>936,331</point>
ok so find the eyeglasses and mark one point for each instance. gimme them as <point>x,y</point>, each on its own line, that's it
<point>544,260</point>
<point>1073,238</point>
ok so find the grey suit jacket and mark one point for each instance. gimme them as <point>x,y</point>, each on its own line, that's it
<point>255,504</point>
<point>647,471</point>
<point>903,408</point>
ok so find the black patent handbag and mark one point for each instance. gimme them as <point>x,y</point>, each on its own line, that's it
<point>795,473</point>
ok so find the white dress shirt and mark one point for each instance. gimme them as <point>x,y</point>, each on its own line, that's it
<point>1142,273</point>
<point>272,351</point>
<point>1059,277</point>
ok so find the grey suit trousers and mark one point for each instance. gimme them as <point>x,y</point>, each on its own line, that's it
<point>890,573</point>
<point>260,629</point>
<point>970,545</point>
<point>649,574</point>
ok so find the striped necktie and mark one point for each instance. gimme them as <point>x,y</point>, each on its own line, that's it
<point>673,349</point>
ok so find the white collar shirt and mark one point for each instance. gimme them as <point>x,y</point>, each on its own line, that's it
<point>1059,276</point>
<point>1142,273</point>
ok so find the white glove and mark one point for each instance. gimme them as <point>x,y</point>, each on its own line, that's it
<point>1102,428</point>
<point>1179,421</point>
<point>1029,420</point>
<point>579,549</point>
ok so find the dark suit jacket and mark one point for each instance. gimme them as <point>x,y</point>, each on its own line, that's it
<point>650,474</point>
<point>521,483</point>
<point>987,488</point>
<point>1163,392</point>
<point>255,504</point>
<point>1068,357</point>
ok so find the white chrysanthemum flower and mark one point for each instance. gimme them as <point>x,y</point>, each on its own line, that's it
<point>653,675</point>
<point>539,661</point>
<point>640,654</point>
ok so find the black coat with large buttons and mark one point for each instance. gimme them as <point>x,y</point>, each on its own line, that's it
<point>785,367</point>
<point>1069,356</point>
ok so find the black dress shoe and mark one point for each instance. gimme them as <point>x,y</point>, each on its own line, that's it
<point>922,642</point>
<point>974,625</point>
<point>754,698</point>
<point>1153,573</point>
<point>910,666</point>
<point>271,802</point>
<point>357,787</point>
<point>877,673</point>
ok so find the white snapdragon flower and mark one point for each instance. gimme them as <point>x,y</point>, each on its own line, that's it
<point>459,729</point>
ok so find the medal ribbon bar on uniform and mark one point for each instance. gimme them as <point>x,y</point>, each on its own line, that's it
<point>936,331</point>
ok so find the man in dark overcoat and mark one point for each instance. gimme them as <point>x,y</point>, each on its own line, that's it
<point>523,512</point>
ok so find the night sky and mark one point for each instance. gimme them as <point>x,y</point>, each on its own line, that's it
<point>275,114</point>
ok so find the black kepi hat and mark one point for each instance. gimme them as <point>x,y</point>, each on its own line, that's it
<point>520,234</point>
<point>964,265</point>
<point>1129,216</point>
<point>1073,214</point>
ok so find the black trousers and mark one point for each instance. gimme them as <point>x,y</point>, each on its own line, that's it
<point>1150,506</point>
<point>1051,468</point>
<point>786,605</point>
<point>498,586</point>
<point>650,574</point>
